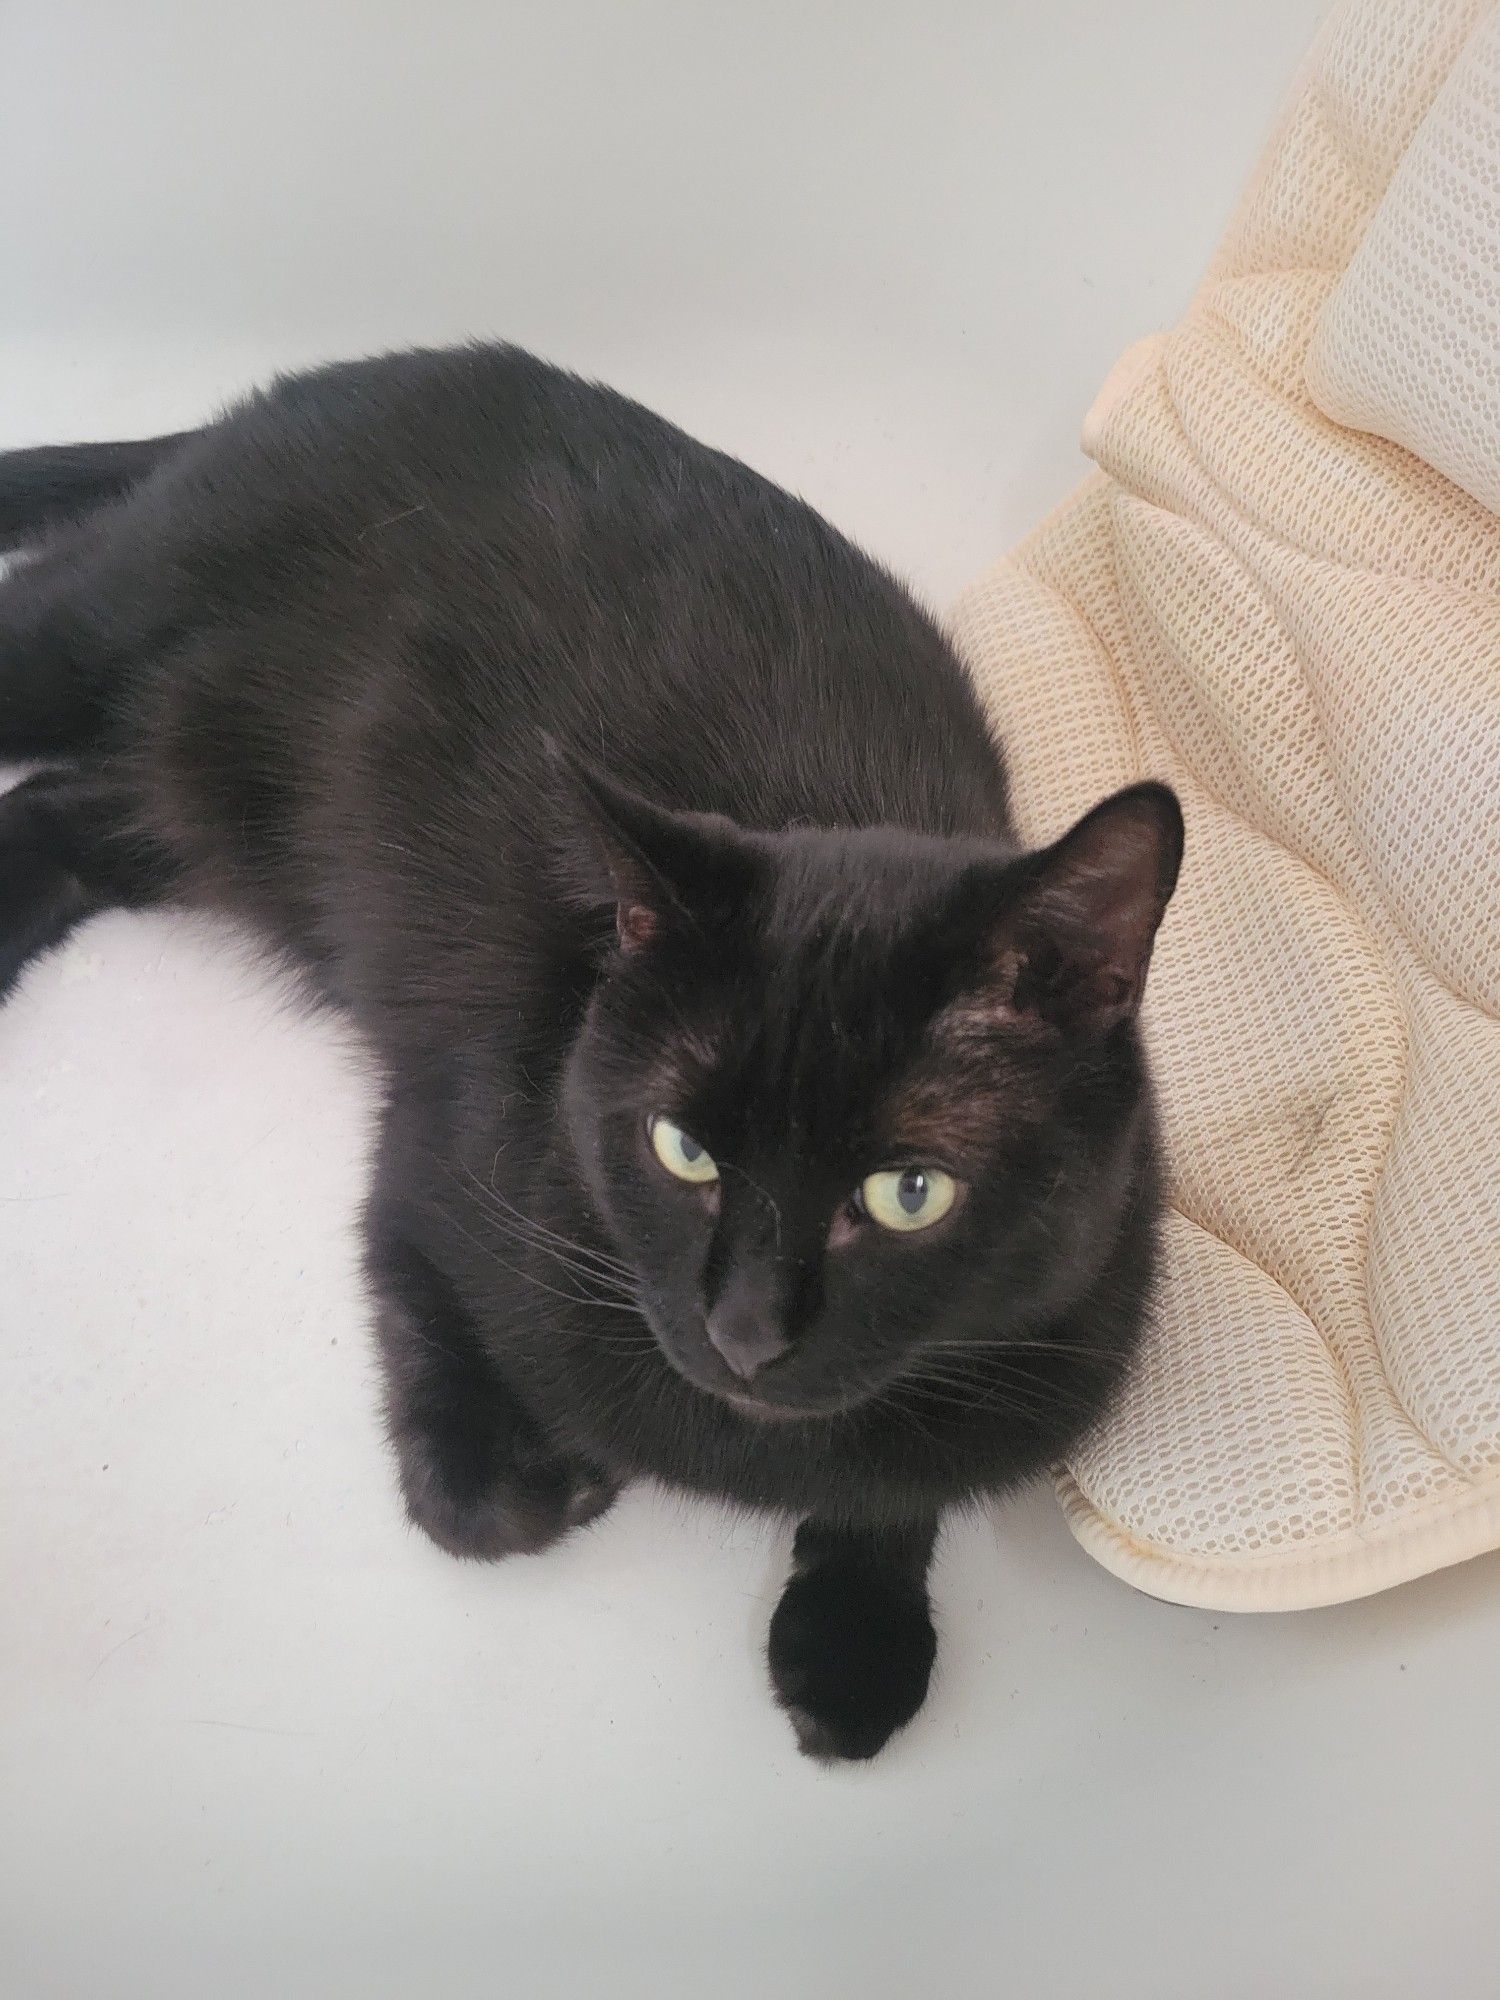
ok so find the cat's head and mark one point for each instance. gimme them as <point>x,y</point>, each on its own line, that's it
<point>846,1098</point>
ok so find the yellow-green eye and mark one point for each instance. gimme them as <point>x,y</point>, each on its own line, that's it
<point>910,1198</point>
<point>680,1155</point>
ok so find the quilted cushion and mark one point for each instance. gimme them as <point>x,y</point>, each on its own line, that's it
<point>1298,624</point>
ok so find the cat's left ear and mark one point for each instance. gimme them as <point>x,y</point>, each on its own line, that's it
<point>1075,941</point>
<point>662,870</point>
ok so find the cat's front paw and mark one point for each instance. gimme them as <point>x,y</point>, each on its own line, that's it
<point>485,1493</point>
<point>851,1652</point>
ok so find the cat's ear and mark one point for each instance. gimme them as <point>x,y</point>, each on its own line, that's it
<point>1072,946</point>
<point>662,870</point>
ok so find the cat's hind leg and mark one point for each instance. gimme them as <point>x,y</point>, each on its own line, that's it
<point>66,852</point>
<point>88,600</point>
<point>59,658</point>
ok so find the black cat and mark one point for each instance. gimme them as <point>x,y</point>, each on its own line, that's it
<point>759,1117</point>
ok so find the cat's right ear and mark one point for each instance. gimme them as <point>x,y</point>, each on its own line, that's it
<point>1074,941</point>
<point>661,870</point>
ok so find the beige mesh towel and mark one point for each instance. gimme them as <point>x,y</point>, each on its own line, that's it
<point>1295,617</point>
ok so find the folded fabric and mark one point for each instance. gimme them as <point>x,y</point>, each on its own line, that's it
<point>1298,624</point>
<point>1409,343</point>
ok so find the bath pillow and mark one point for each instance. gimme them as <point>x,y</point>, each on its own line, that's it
<point>1297,623</point>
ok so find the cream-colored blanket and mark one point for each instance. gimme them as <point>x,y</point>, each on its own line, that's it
<point>1297,622</point>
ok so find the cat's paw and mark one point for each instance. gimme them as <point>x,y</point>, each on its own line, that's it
<point>499,1493</point>
<point>851,1653</point>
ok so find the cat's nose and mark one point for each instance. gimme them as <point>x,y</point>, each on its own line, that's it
<point>745,1336</point>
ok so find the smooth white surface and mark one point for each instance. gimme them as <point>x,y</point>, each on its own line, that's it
<point>255,1738</point>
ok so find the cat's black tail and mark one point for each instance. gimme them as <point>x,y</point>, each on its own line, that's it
<point>50,483</point>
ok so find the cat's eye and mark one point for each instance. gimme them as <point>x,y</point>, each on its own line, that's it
<point>682,1156</point>
<point>909,1198</point>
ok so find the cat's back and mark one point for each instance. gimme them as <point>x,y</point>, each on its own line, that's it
<point>465,549</point>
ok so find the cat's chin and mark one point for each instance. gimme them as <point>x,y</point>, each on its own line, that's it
<point>763,1412</point>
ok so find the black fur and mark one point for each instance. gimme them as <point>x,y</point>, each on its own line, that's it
<point>600,780</point>
<point>56,483</point>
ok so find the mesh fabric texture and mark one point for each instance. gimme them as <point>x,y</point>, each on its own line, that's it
<point>1297,624</point>
<point>1409,343</point>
